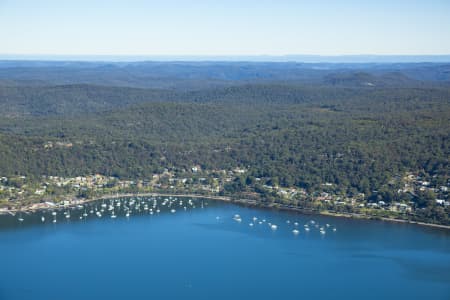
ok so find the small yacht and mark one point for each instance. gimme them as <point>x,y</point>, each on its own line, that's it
<point>295,231</point>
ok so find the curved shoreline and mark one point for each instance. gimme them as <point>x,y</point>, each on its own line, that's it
<point>248,202</point>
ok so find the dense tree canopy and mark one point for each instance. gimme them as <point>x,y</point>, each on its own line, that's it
<point>355,129</point>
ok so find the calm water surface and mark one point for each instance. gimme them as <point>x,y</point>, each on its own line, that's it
<point>203,253</point>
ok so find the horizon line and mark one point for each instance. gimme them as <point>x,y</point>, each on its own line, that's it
<point>306,58</point>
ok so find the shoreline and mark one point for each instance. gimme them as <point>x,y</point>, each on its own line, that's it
<point>246,202</point>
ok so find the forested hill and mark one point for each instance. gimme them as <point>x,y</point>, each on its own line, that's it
<point>198,75</point>
<point>80,99</point>
<point>292,124</point>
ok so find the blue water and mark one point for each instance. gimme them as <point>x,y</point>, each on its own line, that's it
<point>193,255</point>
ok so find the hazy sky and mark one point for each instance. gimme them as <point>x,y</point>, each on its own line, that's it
<point>224,27</point>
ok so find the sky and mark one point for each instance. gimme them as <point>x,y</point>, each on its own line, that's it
<point>225,27</point>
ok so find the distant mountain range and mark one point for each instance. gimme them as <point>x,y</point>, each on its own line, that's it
<point>193,75</point>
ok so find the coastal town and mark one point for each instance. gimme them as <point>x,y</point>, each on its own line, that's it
<point>405,197</point>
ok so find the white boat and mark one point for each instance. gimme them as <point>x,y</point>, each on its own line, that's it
<point>43,219</point>
<point>295,231</point>
<point>251,224</point>
<point>273,227</point>
<point>172,210</point>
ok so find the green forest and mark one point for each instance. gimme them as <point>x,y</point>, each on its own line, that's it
<point>337,129</point>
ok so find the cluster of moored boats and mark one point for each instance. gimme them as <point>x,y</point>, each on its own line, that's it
<point>125,206</point>
<point>295,226</point>
<point>154,205</point>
